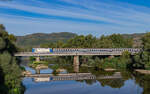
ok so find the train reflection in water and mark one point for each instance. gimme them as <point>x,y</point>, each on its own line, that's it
<point>71,76</point>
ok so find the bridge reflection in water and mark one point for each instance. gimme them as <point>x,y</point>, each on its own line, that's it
<point>70,76</point>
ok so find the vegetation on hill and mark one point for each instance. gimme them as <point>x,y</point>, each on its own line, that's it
<point>36,39</point>
<point>137,42</point>
<point>142,60</point>
<point>42,39</point>
<point>10,71</point>
<point>112,41</point>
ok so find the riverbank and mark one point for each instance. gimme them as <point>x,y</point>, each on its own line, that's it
<point>143,71</point>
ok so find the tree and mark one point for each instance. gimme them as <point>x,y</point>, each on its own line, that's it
<point>59,44</point>
<point>104,42</point>
<point>146,42</point>
<point>142,60</point>
<point>12,38</point>
<point>2,43</point>
<point>10,71</point>
<point>120,42</point>
<point>114,41</point>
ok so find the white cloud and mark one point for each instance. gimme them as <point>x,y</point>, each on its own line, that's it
<point>32,25</point>
<point>119,18</point>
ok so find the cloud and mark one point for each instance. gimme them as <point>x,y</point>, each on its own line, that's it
<point>79,16</point>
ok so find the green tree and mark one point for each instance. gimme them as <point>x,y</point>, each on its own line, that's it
<point>114,41</point>
<point>2,43</point>
<point>142,60</point>
<point>12,38</point>
<point>104,42</point>
<point>146,42</point>
<point>10,71</point>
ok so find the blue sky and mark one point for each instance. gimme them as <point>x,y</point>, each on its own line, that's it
<point>96,17</point>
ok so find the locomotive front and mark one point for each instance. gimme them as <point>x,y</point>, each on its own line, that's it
<point>42,50</point>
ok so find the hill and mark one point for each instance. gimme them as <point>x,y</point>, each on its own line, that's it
<point>36,39</point>
<point>136,38</point>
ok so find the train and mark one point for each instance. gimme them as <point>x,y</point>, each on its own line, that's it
<point>90,50</point>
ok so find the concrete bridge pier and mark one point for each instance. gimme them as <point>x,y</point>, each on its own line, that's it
<point>76,68</point>
<point>37,59</point>
<point>76,61</point>
<point>76,64</point>
<point>37,71</point>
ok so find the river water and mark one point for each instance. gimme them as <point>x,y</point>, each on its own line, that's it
<point>129,83</point>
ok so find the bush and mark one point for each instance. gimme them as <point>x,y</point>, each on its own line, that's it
<point>2,44</point>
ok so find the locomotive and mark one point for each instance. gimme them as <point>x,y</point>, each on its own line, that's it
<point>42,50</point>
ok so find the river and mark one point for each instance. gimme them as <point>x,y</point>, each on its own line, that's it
<point>128,83</point>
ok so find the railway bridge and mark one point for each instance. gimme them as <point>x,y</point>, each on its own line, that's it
<point>76,52</point>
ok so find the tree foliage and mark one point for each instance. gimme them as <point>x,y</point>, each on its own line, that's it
<point>142,60</point>
<point>10,72</point>
<point>89,41</point>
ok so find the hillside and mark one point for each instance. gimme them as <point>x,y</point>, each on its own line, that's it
<point>136,38</point>
<point>135,35</point>
<point>36,39</point>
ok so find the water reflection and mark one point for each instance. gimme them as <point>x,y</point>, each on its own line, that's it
<point>71,76</point>
<point>94,81</point>
<point>76,68</point>
<point>80,87</point>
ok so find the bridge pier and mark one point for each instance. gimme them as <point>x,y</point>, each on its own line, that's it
<point>76,61</point>
<point>37,59</point>
<point>76,68</point>
<point>37,71</point>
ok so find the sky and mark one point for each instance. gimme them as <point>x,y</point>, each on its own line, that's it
<point>96,17</point>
